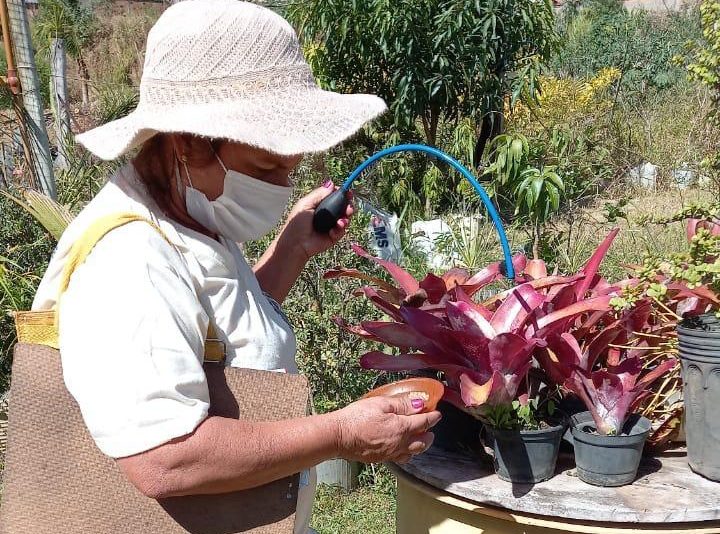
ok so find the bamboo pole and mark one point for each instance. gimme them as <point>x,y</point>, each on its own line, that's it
<point>11,79</point>
<point>35,113</point>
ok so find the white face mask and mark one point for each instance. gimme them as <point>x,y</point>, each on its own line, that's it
<point>246,210</point>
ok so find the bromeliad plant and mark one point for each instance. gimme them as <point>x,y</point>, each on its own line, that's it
<point>484,350</point>
<point>609,380</point>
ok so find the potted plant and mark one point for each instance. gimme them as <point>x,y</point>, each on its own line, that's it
<point>525,437</point>
<point>483,350</point>
<point>608,438</point>
<point>695,275</point>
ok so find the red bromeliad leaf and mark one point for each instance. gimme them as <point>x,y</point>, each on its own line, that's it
<point>458,295</point>
<point>560,358</point>
<point>481,279</point>
<point>434,287</point>
<point>434,328</point>
<point>693,225</point>
<point>455,277</point>
<point>474,347</point>
<point>587,326</point>
<point>543,283</point>
<point>339,272</point>
<point>398,335</point>
<point>381,361</point>
<point>353,329</point>
<point>627,371</point>
<point>478,394</point>
<point>511,314</point>
<point>404,279</point>
<point>536,269</point>
<point>509,352</point>
<point>593,265</point>
<point>571,312</point>
<point>491,273</point>
<point>703,292</point>
<point>379,302</point>
<point>519,262</point>
<point>464,317</point>
<point>599,345</point>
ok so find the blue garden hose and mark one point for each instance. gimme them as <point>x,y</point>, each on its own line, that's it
<point>333,207</point>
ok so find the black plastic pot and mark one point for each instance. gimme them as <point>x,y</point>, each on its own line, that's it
<point>699,339</point>
<point>457,431</point>
<point>608,460</point>
<point>525,456</point>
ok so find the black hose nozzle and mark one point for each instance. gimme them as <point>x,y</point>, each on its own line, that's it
<point>330,211</point>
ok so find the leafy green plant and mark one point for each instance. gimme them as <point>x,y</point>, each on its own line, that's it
<point>538,197</point>
<point>640,44</point>
<point>525,414</point>
<point>434,62</point>
<point>535,194</point>
<point>26,249</point>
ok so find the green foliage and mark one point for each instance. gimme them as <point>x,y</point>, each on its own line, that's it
<point>639,43</point>
<point>26,249</point>
<point>703,63</point>
<point>115,102</point>
<point>538,194</point>
<point>64,19</point>
<point>428,58</point>
<point>444,66</point>
<point>699,266</point>
<point>521,416</point>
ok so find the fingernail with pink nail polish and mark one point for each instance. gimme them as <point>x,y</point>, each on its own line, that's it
<point>327,184</point>
<point>417,403</point>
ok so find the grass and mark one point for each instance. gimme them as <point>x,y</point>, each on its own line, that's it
<point>367,510</point>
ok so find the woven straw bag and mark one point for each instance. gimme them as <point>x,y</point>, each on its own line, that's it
<point>57,481</point>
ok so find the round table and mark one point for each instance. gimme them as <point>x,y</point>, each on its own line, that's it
<point>440,492</point>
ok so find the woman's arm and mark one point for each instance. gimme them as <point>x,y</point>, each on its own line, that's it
<point>225,455</point>
<point>283,261</point>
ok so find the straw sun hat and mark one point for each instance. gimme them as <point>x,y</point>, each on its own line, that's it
<point>232,70</point>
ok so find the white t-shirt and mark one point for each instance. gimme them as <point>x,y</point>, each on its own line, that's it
<point>134,318</point>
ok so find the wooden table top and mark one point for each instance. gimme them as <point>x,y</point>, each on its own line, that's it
<point>666,490</point>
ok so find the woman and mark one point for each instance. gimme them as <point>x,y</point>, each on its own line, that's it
<point>227,107</point>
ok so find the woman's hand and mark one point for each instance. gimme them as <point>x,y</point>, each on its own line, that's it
<point>381,429</point>
<point>298,232</point>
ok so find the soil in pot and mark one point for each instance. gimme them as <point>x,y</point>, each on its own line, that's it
<point>608,460</point>
<point>699,340</point>
<point>526,456</point>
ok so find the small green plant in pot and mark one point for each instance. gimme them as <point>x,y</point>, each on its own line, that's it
<point>695,276</point>
<point>525,437</point>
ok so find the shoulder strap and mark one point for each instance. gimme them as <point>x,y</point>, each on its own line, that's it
<point>42,327</point>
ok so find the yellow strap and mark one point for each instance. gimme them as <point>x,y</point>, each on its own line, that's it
<point>82,248</point>
<point>42,327</point>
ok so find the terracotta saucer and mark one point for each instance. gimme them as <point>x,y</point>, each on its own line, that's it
<point>431,390</point>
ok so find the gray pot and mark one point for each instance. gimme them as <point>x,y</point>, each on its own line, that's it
<point>526,456</point>
<point>608,460</point>
<point>699,339</point>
